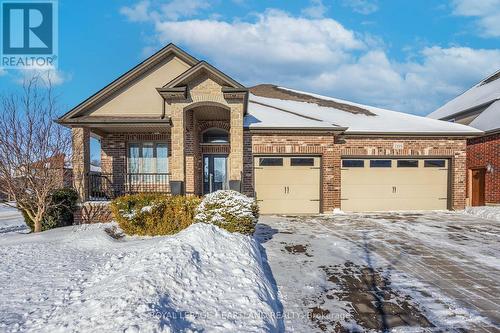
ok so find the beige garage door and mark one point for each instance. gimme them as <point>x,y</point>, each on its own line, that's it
<point>394,184</point>
<point>287,184</point>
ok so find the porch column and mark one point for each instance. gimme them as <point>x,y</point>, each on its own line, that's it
<point>177,156</point>
<point>236,154</point>
<point>81,161</point>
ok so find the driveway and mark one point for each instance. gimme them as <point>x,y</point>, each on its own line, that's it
<point>431,271</point>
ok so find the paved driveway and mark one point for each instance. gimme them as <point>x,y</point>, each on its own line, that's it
<point>430,271</point>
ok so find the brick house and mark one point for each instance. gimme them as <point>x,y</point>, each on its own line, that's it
<point>479,107</point>
<point>178,125</point>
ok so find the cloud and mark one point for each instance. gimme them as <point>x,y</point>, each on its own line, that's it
<point>155,10</point>
<point>364,7</point>
<point>321,55</point>
<point>316,10</point>
<point>49,74</point>
<point>137,13</point>
<point>487,13</point>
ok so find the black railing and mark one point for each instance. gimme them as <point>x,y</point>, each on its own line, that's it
<point>104,186</point>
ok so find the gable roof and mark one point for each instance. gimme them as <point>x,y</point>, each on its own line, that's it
<point>482,98</point>
<point>199,67</point>
<point>267,112</point>
<point>121,81</point>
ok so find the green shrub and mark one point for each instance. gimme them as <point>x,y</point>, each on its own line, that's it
<point>154,214</point>
<point>64,203</point>
<point>229,210</point>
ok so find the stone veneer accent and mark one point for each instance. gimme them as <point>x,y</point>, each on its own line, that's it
<point>332,149</point>
<point>81,160</point>
<point>203,91</point>
<point>481,152</point>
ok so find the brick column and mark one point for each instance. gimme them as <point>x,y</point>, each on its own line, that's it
<point>81,161</point>
<point>177,156</point>
<point>236,138</point>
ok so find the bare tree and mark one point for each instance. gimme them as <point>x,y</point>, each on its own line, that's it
<point>32,147</point>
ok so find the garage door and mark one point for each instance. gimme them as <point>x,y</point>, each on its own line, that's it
<point>287,184</point>
<point>394,184</point>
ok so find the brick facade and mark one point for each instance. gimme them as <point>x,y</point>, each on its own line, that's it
<point>305,143</point>
<point>332,149</point>
<point>481,152</point>
<point>452,148</point>
<point>114,152</point>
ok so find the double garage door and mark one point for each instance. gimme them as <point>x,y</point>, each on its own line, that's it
<point>291,184</point>
<point>394,184</point>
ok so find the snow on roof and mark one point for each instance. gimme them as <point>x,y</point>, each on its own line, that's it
<point>264,116</point>
<point>275,113</point>
<point>489,119</point>
<point>483,93</point>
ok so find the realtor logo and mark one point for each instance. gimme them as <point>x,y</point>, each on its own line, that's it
<point>29,37</point>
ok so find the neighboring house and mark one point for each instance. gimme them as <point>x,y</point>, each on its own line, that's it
<point>58,167</point>
<point>179,125</point>
<point>479,107</point>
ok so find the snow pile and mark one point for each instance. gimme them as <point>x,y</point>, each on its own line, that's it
<point>217,205</point>
<point>79,279</point>
<point>485,212</point>
<point>11,219</point>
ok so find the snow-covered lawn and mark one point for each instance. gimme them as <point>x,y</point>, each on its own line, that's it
<point>418,271</point>
<point>80,279</point>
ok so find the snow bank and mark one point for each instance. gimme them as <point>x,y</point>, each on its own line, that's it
<point>80,279</point>
<point>485,212</point>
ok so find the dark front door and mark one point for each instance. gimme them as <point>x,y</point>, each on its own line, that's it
<point>214,173</point>
<point>478,187</point>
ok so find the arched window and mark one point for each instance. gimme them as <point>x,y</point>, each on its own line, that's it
<point>215,135</point>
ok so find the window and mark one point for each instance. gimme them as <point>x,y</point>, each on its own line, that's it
<point>215,135</point>
<point>302,161</point>
<point>353,163</point>
<point>380,163</point>
<point>434,163</point>
<point>147,157</point>
<point>271,161</point>
<point>407,163</point>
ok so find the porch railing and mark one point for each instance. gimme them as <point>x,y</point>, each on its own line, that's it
<point>103,186</point>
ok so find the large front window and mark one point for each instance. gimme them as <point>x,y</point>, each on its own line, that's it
<point>147,158</point>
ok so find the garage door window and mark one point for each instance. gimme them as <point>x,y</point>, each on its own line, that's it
<point>407,164</point>
<point>353,163</point>
<point>434,163</point>
<point>270,161</point>
<point>380,163</point>
<point>301,161</point>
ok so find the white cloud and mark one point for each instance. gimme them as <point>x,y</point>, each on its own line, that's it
<point>364,7</point>
<point>487,13</point>
<point>156,10</point>
<point>322,56</point>
<point>49,74</point>
<point>137,13</point>
<point>316,10</point>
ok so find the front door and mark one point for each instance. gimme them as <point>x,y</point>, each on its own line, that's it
<point>478,187</point>
<point>214,173</point>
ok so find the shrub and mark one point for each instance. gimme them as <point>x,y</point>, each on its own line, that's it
<point>61,215</point>
<point>154,214</point>
<point>229,210</point>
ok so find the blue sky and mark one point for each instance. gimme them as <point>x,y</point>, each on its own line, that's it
<point>411,56</point>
